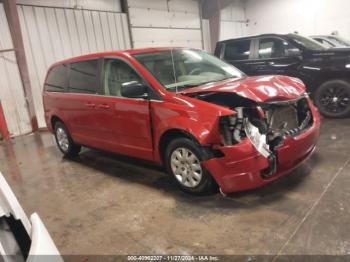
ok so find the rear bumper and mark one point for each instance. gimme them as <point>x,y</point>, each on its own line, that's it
<point>242,165</point>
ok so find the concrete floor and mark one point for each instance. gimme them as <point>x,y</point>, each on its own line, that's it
<point>105,204</point>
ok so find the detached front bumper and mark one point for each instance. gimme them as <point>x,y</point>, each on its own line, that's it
<point>22,239</point>
<point>242,166</point>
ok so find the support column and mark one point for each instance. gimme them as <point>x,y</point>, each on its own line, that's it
<point>15,30</point>
<point>211,11</point>
<point>125,9</point>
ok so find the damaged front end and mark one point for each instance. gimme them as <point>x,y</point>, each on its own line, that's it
<point>266,124</point>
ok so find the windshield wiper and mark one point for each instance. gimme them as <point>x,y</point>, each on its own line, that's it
<point>184,86</point>
<point>214,81</point>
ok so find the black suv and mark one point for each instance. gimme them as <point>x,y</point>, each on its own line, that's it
<point>325,72</point>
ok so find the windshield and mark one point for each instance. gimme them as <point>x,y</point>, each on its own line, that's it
<point>339,41</point>
<point>306,42</point>
<point>185,68</point>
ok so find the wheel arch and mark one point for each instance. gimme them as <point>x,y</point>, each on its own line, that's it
<point>54,119</point>
<point>174,133</point>
<point>327,78</point>
<point>170,135</point>
<point>206,151</point>
<point>325,109</point>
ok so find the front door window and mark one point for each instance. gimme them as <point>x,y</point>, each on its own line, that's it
<point>117,73</point>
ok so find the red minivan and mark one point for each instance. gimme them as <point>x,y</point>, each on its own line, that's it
<point>209,124</point>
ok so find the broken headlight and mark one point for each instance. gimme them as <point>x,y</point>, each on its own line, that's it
<point>258,139</point>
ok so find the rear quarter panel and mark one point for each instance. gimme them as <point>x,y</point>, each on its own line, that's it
<point>54,103</point>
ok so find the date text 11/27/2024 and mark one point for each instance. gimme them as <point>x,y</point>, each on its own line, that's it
<point>173,258</point>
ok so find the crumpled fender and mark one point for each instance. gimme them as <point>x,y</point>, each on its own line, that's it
<point>196,118</point>
<point>200,131</point>
<point>192,127</point>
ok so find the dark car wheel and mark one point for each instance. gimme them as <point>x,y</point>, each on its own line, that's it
<point>64,141</point>
<point>183,161</point>
<point>333,98</point>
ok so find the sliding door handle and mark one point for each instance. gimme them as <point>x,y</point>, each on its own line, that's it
<point>104,106</point>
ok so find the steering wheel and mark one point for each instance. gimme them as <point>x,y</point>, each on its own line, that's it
<point>195,71</point>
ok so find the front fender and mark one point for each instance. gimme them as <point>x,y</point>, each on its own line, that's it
<point>203,134</point>
<point>197,118</point>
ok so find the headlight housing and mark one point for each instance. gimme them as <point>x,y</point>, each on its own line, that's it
<point>258,140</point>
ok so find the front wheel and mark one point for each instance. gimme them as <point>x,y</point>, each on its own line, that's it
<point>333,98</point>
<point>183,161</point>
<point>64,141</point>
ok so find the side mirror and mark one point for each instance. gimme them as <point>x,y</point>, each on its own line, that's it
<point>134,89</point>
<point>293,52</point>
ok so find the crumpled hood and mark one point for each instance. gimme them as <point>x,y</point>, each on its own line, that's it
<point>258,88</point>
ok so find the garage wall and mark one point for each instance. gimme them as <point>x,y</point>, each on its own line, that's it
<point>53,34</point>
<point>11,89</point>
<point>99,5</point>
<point>232,21</point>
<point>165,23</point>
<point>307,17</point>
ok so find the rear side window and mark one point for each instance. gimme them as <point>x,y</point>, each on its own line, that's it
<point>57,79</point>
<point>237,50</point>
<point>83,77</point>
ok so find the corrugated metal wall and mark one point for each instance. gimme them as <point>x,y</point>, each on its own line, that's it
<point>165,23</point>
<point>11,89</point>
<point>53,34</point>
<point>97,5</point>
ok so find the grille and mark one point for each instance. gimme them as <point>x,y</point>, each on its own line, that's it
<point>284,118</point>
<point>290,119</point>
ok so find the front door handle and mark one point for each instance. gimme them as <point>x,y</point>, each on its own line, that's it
<point>104,106</point>
<point>91,105</point>
<point>255,63</point>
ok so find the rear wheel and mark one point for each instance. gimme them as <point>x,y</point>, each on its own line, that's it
<point>183,161</point>
<point>64,141</point>
<point>333,98</point>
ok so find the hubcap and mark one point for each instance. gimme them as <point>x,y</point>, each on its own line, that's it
<point>335,99</point>
<point>186,167</point>
<point>62,139</point>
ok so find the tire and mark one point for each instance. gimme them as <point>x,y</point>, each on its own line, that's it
<point>333,98</point>
<point>64,141</point>
<point>191,178</point>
